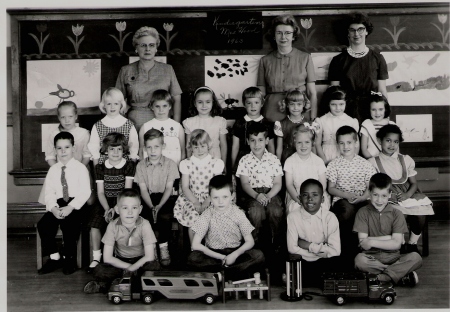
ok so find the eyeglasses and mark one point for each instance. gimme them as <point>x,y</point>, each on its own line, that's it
<point>285,33</point>
<point>360,30</point>
<point>144,46</point>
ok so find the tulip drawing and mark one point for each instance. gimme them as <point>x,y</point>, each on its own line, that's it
<point>442,19</point>
<point>41,28</point>
<point>77,31</point>
<point>306,24</point>
<point>121,26</point>
<point>168,28</point>
<point>395,20</point>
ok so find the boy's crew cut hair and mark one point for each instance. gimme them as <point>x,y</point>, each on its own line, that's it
<point>161,95</point>
<point>129,192</point>
<point>252,92</point>
<point>309,182</point>
<point>114,139</point>
<point>64,135</point>
<point>153,134</point>
<point>380,181</point>
<point>256,128</point>
<point>219,182</point>
<point>346,130</point>
<point>389,128</point>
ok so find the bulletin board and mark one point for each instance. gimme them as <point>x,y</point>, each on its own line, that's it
<point>76,54</point>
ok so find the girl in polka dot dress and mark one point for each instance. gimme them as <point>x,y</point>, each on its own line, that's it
<point>196,172</point>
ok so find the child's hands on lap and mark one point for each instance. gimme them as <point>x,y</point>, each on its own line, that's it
<point>262,199</point>
<point>57,213</point>
<point>230,259</point>
<point>109,215</point>
<point>356,199</point>
<point>402,196</point>
<point>65,211</point>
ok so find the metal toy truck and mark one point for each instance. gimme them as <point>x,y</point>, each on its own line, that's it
<point>169,284</point>
<point>341,286</point>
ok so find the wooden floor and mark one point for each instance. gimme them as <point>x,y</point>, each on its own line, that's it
<point>27,291</point>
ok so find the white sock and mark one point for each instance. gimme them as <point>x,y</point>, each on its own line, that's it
<point>413,238</point>
<point>55,256</point>
<point>166,244</point>
<point>96,255</point>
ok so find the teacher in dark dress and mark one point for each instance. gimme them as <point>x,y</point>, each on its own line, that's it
<point>140,79</point>
<point>285,68</point>
<point>359,69</point>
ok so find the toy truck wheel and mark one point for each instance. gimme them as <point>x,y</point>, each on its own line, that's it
<point>147,298</point>
<point>209,299</point>
<point>339,300</point>
<point>389,299</point>
<point>116,300</point>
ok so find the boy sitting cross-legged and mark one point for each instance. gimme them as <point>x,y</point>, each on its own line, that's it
<point>224,226</point>
<point>313,233</point>
<point>380,229</point>
<point>129,244</point>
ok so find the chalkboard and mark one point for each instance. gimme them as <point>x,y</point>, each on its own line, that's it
<point>228,30</point>
<point>100,44</point>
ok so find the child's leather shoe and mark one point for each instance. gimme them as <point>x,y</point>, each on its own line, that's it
<point>50,266</point>
<point>70,265</point>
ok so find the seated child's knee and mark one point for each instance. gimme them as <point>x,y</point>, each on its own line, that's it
<point>360,261</point>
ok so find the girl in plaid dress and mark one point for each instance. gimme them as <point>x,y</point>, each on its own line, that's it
<point>114,106</point>
<point>196,172</point>
<point>112,176</point>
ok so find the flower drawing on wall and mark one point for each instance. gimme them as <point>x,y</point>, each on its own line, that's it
<point>77,31</point>
<point>41,28</point>
<point>443,20</point>
<point>121,26</point>
<point>306,24</point>
<point>168,27</point>
<point>395,21</point>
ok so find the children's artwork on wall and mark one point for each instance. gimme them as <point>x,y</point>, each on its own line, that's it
<point>322,63</point>
<point>161,59</point>
<point>49,82</point>
<point>416,128</point>
<point>229,75</point>
<point>418,78</point>
<point>46,129</point>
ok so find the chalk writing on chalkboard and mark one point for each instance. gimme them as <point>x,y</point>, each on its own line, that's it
<point>230,30</point>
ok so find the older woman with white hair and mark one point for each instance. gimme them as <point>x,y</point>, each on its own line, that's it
<point>140,79</point>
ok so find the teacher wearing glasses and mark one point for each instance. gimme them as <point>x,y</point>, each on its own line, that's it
<point>285,68</point>
<point>140,79</point>
<point>359,69</point>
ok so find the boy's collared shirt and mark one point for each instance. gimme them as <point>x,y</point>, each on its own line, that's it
<point>376,223</point>
<point>223,229</point>
<point>129,243</point>
<point>78,183</point>
<point>261,173</point>
<point>321,229</point>
<point>350,176</point>
<point>156,176</point>
<point>392,165</point>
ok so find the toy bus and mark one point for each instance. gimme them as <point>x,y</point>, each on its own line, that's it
<point>169,284</point>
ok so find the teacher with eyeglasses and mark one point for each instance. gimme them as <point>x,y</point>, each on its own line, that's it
<point>140,79</point>
<point>285,68</point>
<point>359,69</point>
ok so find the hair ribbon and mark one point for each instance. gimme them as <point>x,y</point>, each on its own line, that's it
<point>376,93</point>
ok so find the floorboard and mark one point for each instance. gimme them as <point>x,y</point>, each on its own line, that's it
<point>27,291</point>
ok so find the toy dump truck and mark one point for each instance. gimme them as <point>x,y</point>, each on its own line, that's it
<point>169,284</point>
<point>341,286</point>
